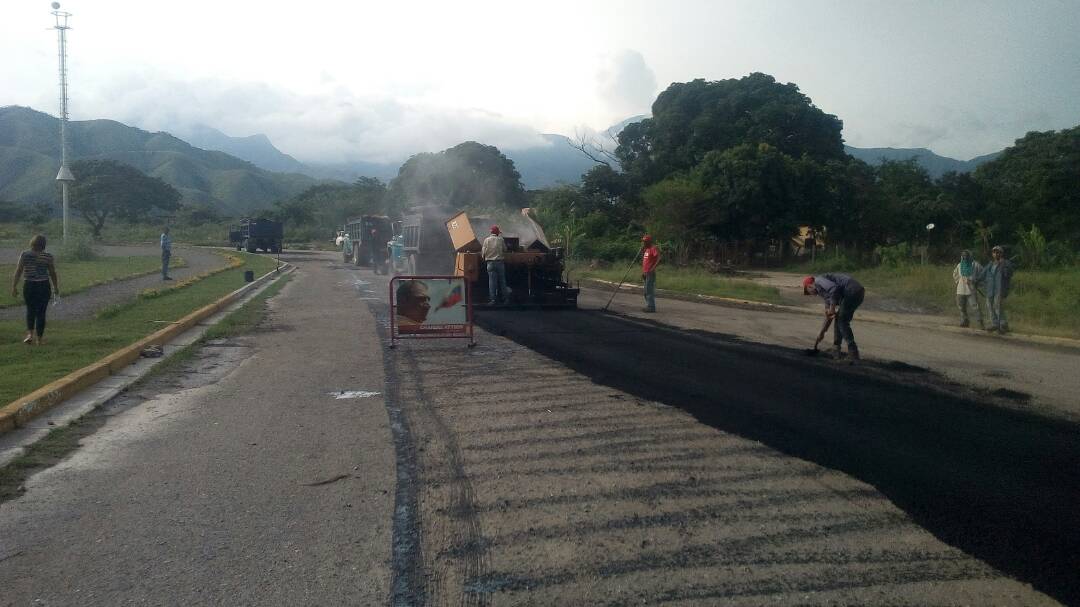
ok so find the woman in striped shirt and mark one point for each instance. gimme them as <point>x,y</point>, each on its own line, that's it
<point>38,267</point>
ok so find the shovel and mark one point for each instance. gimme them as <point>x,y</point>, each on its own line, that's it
<point>825,327</point>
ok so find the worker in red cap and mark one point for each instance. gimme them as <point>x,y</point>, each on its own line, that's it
<point>843,295</point>
<point>494,252</point>
<point>650,258</point>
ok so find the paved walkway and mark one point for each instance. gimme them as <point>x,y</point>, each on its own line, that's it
<point>86,303</point>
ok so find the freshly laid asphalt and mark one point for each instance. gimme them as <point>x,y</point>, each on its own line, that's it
<point>570,458</point>
<point>1000,484</point>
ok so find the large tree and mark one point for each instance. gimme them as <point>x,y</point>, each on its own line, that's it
<point>468,175</point>
<point>691,119</point>
<point>107,189</point>
<point>1034,182</point>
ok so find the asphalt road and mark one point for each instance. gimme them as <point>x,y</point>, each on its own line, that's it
<point>569,459</point>
<point>240,480</point>
<point>1000,484</point>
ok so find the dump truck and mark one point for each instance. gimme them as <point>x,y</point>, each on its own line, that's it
<point>427,248</point>
<point>253,234</point>
<point>534,269</point>
<point>369,235</point>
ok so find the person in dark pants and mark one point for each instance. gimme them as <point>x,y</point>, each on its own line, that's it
<point>166,253</point>
<point>843,295</point>
<point>38,267</point>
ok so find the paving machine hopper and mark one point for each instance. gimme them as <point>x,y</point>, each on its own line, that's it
<point>534,270</point>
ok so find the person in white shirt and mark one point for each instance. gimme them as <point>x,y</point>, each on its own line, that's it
<point>494,252</point>
<point>967,274</point>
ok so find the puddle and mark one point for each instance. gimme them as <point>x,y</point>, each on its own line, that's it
<point>352,394</point>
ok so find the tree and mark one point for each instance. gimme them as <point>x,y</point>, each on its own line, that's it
<point>1035,182</point>
<point>694,118</point>
<point>468,175</point>
<point>107,189</point>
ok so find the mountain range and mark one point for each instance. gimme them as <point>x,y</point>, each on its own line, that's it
<point>239,174</point>
<point>30,156</point>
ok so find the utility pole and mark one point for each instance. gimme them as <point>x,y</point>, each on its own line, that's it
<point>64,176</point>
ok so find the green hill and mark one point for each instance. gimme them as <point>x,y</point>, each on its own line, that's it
<point>30,157</point>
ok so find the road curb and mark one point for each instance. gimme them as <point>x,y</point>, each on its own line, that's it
<point>747,304</point>
<point>22,410</point>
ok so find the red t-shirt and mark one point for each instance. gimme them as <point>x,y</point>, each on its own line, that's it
<point>649,259</point>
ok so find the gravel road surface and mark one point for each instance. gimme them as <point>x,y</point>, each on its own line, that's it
<point>86,303</point>
<point>569,459</point>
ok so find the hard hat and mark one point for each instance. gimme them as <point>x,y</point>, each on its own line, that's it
<point>646,238</point>
<point>495,229</point>
<point>807,283</point>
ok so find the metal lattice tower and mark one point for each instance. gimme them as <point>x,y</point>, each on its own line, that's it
<point>64,176</point>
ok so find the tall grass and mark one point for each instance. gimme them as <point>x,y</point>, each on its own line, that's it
<point>1045,302</point>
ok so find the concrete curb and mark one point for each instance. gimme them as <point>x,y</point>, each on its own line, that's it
<point>761,306</point>
<point>20,411</point>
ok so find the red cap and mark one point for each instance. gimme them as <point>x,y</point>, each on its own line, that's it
<point>494,229</point>
<point>646,238</point>
<point>807,282</point>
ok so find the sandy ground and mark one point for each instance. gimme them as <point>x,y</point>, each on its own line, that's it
<point>569,459</point>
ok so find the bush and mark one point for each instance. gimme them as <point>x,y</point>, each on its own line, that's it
<point>78,248</point>
<point>893,255</point>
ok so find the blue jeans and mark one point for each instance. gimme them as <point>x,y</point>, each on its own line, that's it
<point>497,290</point>
<point>650,290</point>
<point>165,255</point>
<point>996,304</point>
<point>842,323</point>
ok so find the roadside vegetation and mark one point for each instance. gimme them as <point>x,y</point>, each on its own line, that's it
<point>688,280</point>
<point>74,344</point>
<point>1042,301</point>
<point>76,276</point>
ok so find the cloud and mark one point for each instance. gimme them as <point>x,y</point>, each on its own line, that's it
<point>333,125</point>
<point>626,84</point>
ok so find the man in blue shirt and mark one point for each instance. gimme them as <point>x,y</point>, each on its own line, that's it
<point>843,295</point>
<point>166,253</point>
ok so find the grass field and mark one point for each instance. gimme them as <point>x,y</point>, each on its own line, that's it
<point>75,344</point>
<point>1042,302</point>
<point>686,280</point>
<point>78,276</point>
<point>213,234</point>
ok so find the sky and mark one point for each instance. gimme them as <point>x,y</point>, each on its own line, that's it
<point>378,81</point>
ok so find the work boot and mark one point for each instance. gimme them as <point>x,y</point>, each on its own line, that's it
<point>649,310</point>
<point>838,352</point>
<point>853,352</point>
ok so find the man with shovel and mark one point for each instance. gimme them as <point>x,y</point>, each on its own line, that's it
<point>843,295</point>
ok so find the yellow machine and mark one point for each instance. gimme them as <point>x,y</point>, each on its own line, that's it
<point>534,270</point>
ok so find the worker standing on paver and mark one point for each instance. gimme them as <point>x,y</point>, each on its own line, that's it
<point>494,252</point>
<point>650,258</point>
<point>843,295</point>
<point>967,275</point>
<point>998,282</point>
<point>166,253</point>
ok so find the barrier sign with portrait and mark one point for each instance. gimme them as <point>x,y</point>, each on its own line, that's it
<point>430,307</point>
